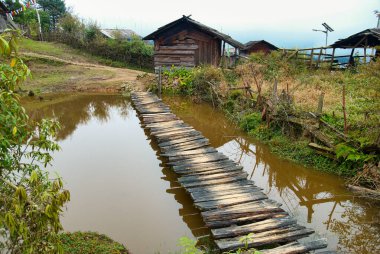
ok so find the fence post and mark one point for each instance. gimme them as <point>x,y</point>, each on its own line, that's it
<point>159,80</point>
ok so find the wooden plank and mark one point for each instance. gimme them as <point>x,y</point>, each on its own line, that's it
<point>195,178</point>
<point>193,152</point>
<point>211,172</point>
<point>180,47</point>
<point>202,169</point>
<point>246,219</point>
<point>163,135</point>
<point>155,131</point>
<point>187,147</point>
<point>199,159</point>
<point>241,210</point>
<point>189,177</point>
<point>234,185</point>
<point>181,141</point>
<point>244,198</point>
<point>265,238</point>
<point>165,124</point>
<point>210,195</point>
<point>296,247</point>
<point>220,164</point>
<point>213,182</point>
<point>257,227</point>
<point>165,53</point>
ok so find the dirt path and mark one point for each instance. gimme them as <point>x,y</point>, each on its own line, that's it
<point>92,77</point>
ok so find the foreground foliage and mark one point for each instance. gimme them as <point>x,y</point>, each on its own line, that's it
<point>30,201</point>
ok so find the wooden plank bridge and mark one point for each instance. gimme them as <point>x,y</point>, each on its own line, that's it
<point>231,206</point>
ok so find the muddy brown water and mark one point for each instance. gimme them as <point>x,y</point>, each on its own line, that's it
<point>119,188</point>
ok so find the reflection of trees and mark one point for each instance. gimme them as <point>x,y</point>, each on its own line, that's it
<point>72,110</point>
<point>359,225</point>
<point>309,189</point>
<point>359,230</point>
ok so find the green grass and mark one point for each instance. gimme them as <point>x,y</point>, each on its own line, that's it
<point>51,76</point>
<point>68,53</point>
<point>90,243</point>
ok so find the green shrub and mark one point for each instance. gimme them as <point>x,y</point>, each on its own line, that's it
<point>90,243</point>
<point>250,122</point>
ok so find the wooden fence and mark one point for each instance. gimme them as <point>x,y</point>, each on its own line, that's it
<point>327,56</point>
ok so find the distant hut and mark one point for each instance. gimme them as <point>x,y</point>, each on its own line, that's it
<point>369,38</point>
<point>258,46</point>
<point>186,42</point>
<point>124,34</point>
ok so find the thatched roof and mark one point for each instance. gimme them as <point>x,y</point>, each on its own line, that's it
<point>208,30</point>
<point>124,33</point>
<point>366,38</point>
<point>251,44</point>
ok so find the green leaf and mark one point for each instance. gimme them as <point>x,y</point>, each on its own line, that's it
<point>14,131</point>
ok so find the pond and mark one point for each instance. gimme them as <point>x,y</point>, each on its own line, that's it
<point>119,187</point>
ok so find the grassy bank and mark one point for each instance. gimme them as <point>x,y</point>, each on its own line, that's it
<point>281,108</point>
<point>56,67</point>
<point>90,243</point>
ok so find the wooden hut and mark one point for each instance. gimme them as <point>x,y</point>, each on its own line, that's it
<point>369,38</point>
<point>258,46</point>
<point>186,42</point>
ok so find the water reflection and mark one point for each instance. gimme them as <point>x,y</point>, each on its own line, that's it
<point>316,199</point>
<point>73,110</point>
<point>116,182</point>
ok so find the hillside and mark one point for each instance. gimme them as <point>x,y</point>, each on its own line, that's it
<point>57,67</point>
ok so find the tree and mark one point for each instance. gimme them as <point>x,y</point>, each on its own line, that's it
<point>55,8</point>
<point>30,201</point>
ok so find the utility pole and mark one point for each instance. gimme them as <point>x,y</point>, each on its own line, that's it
<point>39,21</point>
<point>377,13</point>
<point>326,31</point>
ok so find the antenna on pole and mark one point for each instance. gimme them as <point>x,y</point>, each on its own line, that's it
<point>326,31</point>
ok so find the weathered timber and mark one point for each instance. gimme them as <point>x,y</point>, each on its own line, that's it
<point>210,172</point>
<point>206,165</point>
<point>196,178</point>
<point>199,159</point>
<point>213,182</point>
<point>245,219</point>
<point>282,235</point>
<point>230,205</point>
<point>185,147</point>
<point>296,247</point>
<point>193,152</point>
<point>207,169</point>
<point>180,141</point>
<point>243,198</point>
<point>256,227</point>
<point>164,124</point>
<point>215,188</point>
<point>214,195</point>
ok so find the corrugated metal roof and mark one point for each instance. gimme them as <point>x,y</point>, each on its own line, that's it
<point>368,37</point>
<point>200,26</point>
<point>124,33</point>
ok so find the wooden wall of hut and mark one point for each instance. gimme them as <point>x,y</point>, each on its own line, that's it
<point>186,46</point>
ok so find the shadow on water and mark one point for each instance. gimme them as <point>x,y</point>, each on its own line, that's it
<point>318,200</point>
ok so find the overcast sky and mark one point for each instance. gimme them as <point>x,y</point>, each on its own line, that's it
<point>285,23</point>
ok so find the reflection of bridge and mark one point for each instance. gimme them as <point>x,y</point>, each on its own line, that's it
<point>308,189</point>
<point>231,206</point>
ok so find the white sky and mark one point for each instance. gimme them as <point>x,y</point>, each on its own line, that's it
<point>285,23</point>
